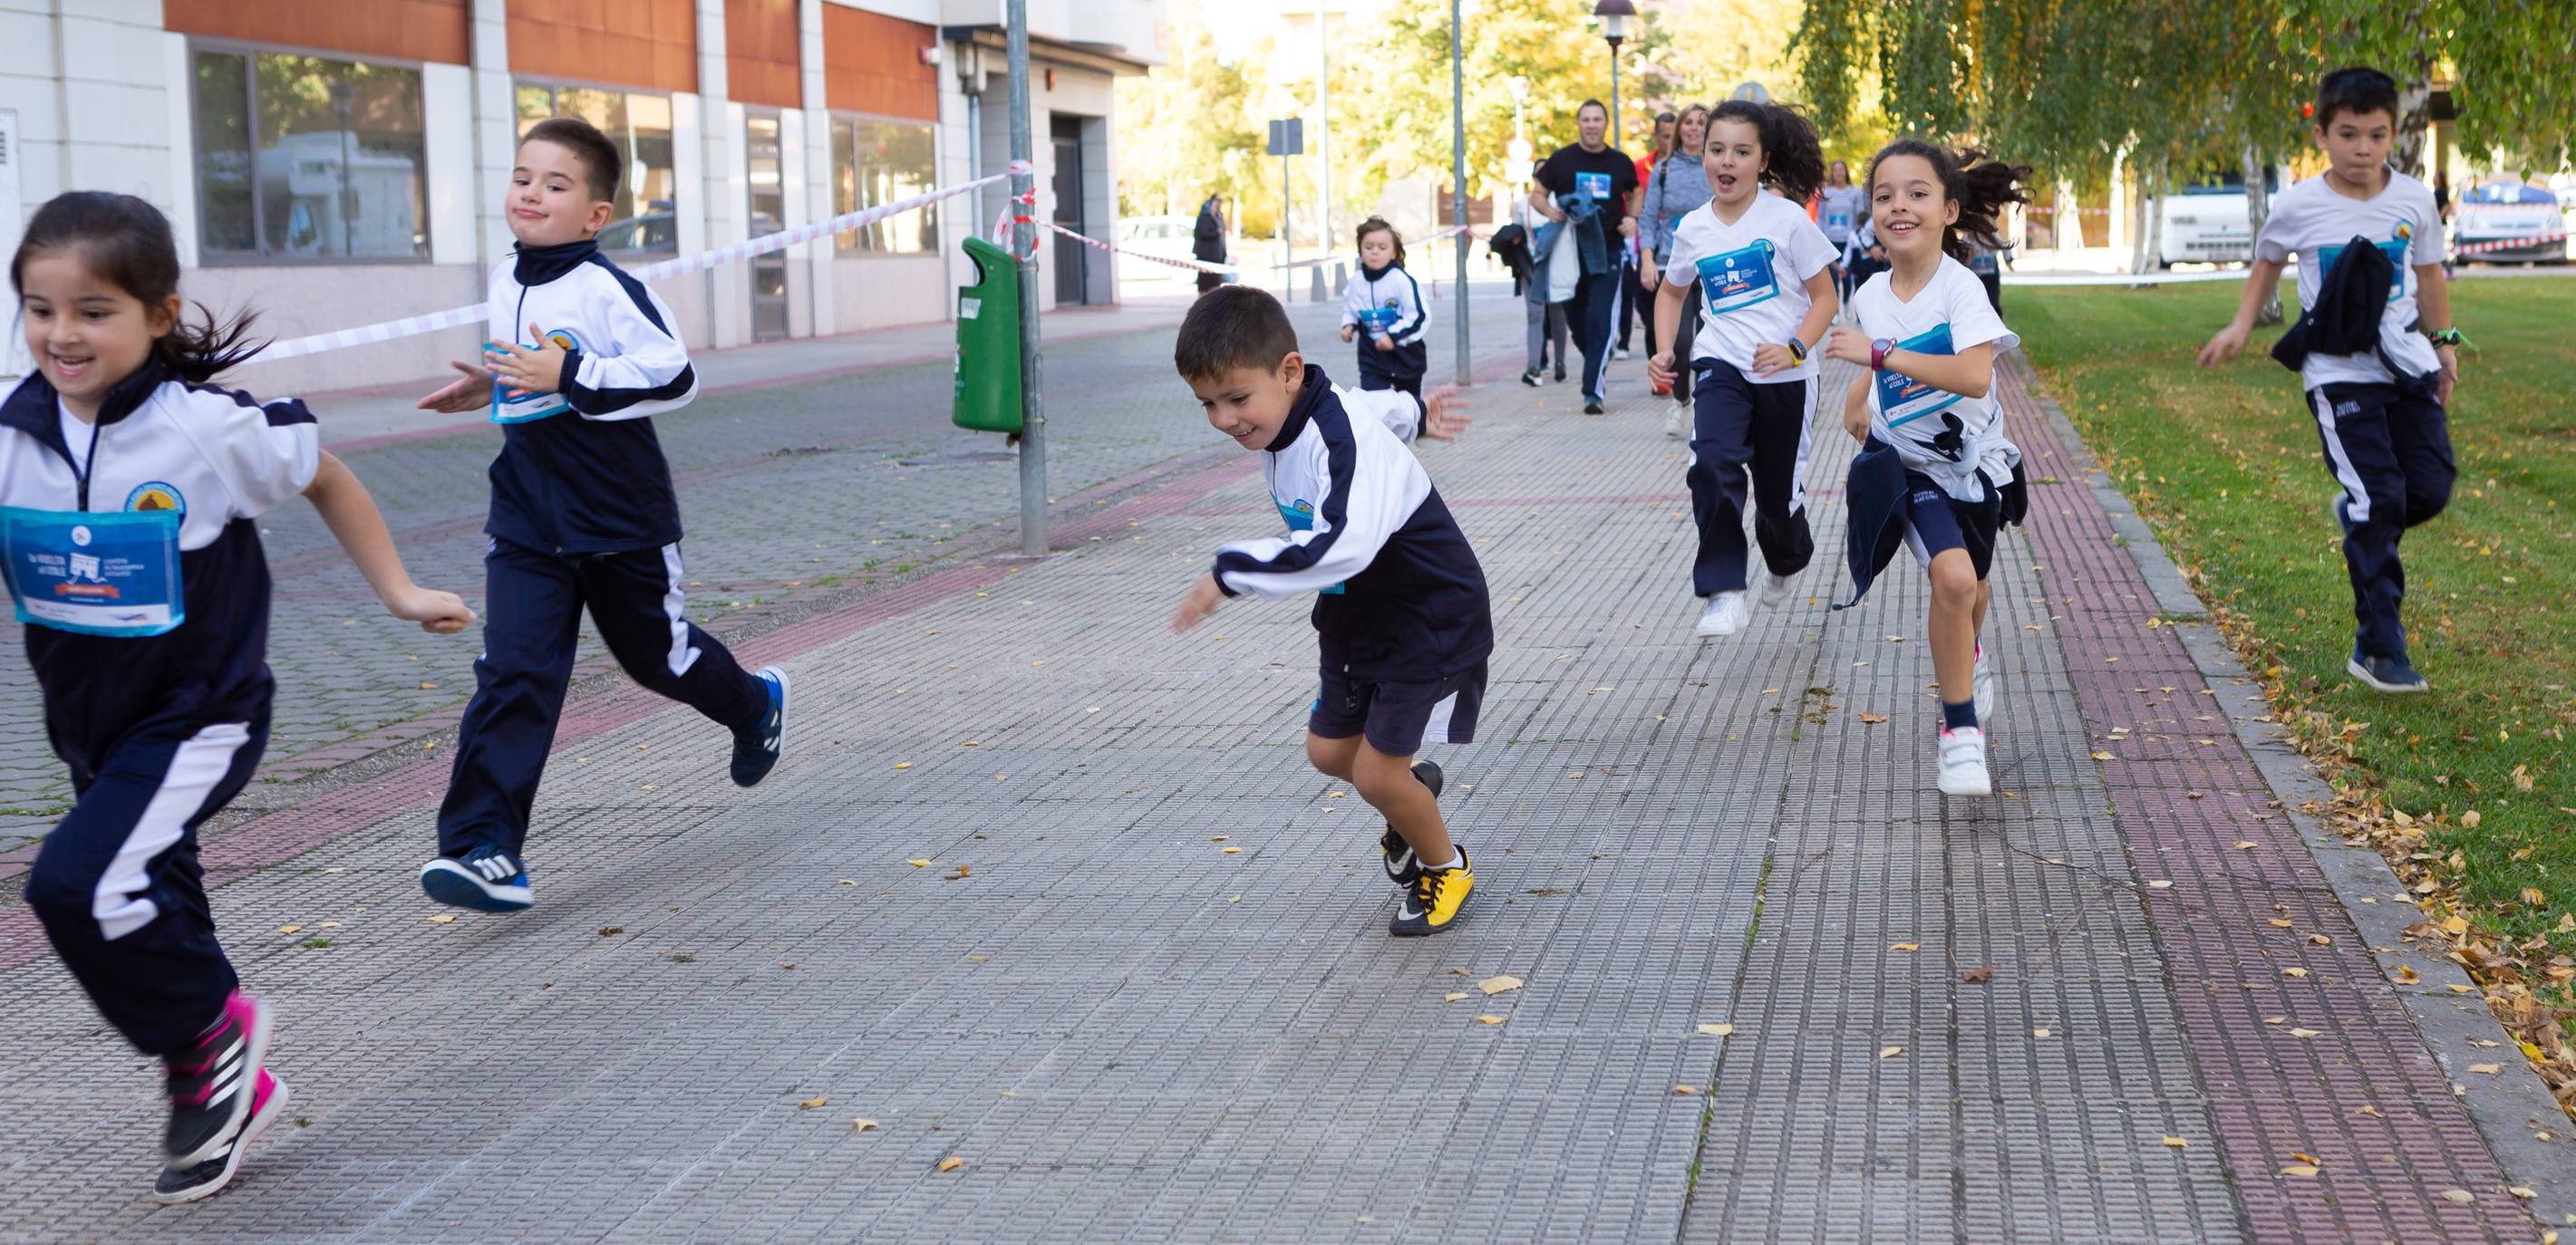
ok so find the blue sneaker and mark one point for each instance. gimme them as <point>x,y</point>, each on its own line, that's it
<point>2386,674</point>
<point>756,750</point>
<point>486,880</point>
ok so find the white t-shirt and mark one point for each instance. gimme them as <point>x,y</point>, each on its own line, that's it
<point>1752,278</point>
<point>2311,218</point>
<point>1948,437</point>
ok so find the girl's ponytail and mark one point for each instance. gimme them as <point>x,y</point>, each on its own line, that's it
<point>126,242</point>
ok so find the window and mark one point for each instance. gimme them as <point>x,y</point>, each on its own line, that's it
<point>304,157</point>
<point>640,124</point>
<point>878,162</point>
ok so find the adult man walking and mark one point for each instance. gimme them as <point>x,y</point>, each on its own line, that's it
<point>1589,186</point>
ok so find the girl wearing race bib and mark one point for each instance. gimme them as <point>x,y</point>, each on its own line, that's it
<point>1929,337</point>
<point>130,487</point>
<point>1384,307</point>
<point>1760,271</point>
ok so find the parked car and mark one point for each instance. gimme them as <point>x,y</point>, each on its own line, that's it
<point>2512,216</point>
<point>1167,236</point>
<point>2204,221</point>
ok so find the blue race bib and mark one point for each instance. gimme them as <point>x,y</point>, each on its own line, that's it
<point>1838,220</point>
<point>1593,186</point>
<point>1738,279</point>
<point>511,406</point>
<point>2395,250</point>
<point>1903,399</point>
<point>97,573</point>
<point>1377,321</point>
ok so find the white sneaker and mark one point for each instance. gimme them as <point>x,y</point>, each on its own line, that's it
<point>1775,592</point>
<point>1725,615</point>
<point>1673,423</point>
<point>1985,689</point>
<point>1620,353</point>
<point>1963,762</point>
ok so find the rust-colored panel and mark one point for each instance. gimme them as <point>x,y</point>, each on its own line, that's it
<point>872,63</point>
<point>421,30</point>
<point>761,61</point>
<point>647,44</point>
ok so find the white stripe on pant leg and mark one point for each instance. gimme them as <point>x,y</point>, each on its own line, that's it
<point>2356,507</point>
<point>1806,439</point>
<point>683,654</point>
<point>1436,731</point>
<point>120,903</point>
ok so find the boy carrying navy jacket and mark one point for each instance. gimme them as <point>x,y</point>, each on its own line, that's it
<point>2379,409</point>
<point>583,515</point>
<point>1402,617</point>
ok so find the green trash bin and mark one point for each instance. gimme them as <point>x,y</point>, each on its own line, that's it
<point>988,343</point>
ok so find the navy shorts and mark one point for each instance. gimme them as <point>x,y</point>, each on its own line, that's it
<point>1398,718</point>
<point>1935,522</point>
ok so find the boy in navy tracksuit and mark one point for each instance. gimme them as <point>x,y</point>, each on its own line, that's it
<point>583,514</point>
<point>2380,409</point>
<point>1402,617</point>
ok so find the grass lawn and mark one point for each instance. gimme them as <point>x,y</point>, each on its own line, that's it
<point>2226,467</point>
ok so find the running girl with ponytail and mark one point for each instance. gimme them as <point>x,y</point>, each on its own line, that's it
<point>1766,294</point>
<point>130,489</point>
<point>1926,416</point>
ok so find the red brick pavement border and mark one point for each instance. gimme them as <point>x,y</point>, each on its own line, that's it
<point>2399,1157</point>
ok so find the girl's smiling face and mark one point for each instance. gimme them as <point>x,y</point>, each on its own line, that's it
<point>1908,207</point>
<point>85,332</point>
<point>1377,248</point>
<point>1733,160</point>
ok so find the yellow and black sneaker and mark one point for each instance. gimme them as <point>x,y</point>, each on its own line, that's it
<point>1401,867</point>
<point>1434,901</point>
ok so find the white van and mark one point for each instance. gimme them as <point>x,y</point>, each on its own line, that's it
<point>2204,221</point>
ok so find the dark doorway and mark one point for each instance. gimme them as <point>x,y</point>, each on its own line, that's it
<point>1072,263</point>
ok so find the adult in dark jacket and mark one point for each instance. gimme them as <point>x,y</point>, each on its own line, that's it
<point>1207,240</point>
<point>1591,184</point>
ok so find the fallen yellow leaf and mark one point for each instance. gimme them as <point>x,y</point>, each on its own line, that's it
<point>2280,922</point>
<point>918,864</point>
<point>2247,844</point>
<point>2299,1169</point>
<point>443,918</point>
<point>2458,1195</point>
<point>1686,1089</point>
<point>1218,838</point>
<point>1489,1020</point>
<point>1453,996</point>
<point>1229,851</point>
<point>1716,1030</point>
<point>289,929</point>
<point>1904,946</point>
<point>2296,1156</point>
<point>2486,1069</point>
<point>1890,1052</point>
<point>951,1163</point>
<point>2523,1193</point>
<point>811,1103</point>
<point>1500,985</point>
<point>2294,972</point>
<point>862,1124</point>
<point>2039,1033</point>
<point>2319,940</point>
<point>903,765</point>
<point>2303,1034</point>
<point>2101,756</point>
<point>2178,1142</point>
<point>1873,719</point>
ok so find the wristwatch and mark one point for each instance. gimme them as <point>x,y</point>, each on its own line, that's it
<point>2445,337</point>
<point>1878,352</point>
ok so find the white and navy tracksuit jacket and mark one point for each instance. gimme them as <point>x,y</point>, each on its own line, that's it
<point>583,515</point>
<point>1402,598</point>
<point>161,730</point>
<point>1388,300</point>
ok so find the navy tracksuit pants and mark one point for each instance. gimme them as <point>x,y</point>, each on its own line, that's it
<point>1596,296</point>
<point>531,622</point>
<point>119,890</point>
<point>1399,369</point>
<point>2391,451</point>
<point>1740,425</point>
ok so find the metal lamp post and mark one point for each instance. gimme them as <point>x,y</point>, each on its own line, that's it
<point>1458,171</point>
<point>1615,16</point>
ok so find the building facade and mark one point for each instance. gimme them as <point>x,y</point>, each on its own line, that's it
<point>334,163</point>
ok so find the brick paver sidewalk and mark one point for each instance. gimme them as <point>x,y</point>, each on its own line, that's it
<point>1046,890</point>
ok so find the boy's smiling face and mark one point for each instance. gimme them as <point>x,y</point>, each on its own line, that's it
<point>1251,404</point>
<point>550,202</point>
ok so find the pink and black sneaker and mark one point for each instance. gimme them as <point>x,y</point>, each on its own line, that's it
<point>207,1178</point>
<point>217,1085</point>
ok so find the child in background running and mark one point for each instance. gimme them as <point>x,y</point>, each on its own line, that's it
<point>1386,305</point>
<point>130,493</point>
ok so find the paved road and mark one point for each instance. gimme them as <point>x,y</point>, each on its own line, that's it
<point>1046,890</point>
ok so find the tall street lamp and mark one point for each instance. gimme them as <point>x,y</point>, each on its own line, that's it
<point>1615,16</point>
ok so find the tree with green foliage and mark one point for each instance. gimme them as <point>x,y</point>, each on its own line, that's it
<point>1190,128</point>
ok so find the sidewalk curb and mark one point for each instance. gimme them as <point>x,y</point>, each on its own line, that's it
<point>2507,1108</point>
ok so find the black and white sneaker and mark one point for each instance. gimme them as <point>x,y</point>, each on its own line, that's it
<point>1530,378</point>
<point>2387,674</point>
<point>756,750</point>
<point>485,880</point>
<point>1592,406</point>
<point>212,1081</point>
<point>208,1176</point>
<point>1401,864</point>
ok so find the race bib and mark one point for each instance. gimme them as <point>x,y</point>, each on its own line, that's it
<point>1301,518</point>
<point>514,406</point>
<point>1593,186</point>
<point>1377,321</point>
<point>1838,221</point>
<point>97,573</point>
<point>2328,256</point>
<point>1903,399</point>
<point>1738,279</point>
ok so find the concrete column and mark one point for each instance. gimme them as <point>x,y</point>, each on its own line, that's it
<point>819,174</point>
<point>721,188</point>
<point>496,128</point>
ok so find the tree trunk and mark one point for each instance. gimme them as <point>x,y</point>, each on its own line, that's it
<point>2414,122</point>
<point>2258,206</point>
<point>2151,231</point>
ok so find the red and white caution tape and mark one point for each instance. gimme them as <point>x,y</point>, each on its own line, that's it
<point>2508,244</point>
<point>458,317</point>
